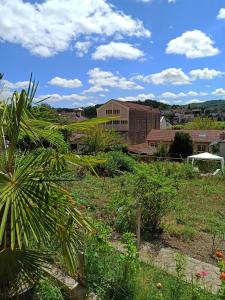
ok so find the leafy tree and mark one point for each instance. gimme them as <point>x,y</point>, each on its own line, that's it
<point>100,139</point>
<point>181,146</point>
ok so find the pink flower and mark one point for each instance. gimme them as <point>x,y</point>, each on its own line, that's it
<point>202,274</point>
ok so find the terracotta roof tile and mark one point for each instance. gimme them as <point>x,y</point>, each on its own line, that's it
<point>137,106</point>
<point>165,135</point>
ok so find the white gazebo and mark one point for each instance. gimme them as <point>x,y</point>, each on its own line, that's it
<point>206,156</point>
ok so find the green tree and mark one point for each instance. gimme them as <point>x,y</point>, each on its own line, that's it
<point>181,146</point>
<point>100,139</point>
<point>35,208</point>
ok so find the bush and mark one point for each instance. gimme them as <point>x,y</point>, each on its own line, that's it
<point>110,274</point>
<point>156,195</point>
<point>114,163</point>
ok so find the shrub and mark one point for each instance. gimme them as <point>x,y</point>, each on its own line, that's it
<point>156,197</point>
<point>110,274</point>
<point>114,163</point>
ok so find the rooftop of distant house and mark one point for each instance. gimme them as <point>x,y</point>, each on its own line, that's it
<point>135,106</point>
<point>204,136</point>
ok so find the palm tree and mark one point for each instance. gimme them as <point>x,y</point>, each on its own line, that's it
<point>39,221</point>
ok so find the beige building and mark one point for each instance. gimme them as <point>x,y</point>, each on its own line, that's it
<point>134,120</point>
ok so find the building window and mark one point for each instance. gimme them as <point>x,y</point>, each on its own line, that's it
<point>153,145</point>
<point>116,122</point>
<point>116,111</point>
<point>108,111</point>
<point>109,123</point>
<point>123,122</point>
<point>201,148</point>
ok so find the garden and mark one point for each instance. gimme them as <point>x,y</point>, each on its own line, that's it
<point>91,214</point>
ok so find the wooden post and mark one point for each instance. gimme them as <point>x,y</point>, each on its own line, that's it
<point>138,225</point>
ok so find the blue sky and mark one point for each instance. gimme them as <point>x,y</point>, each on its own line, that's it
<point>85,52</point>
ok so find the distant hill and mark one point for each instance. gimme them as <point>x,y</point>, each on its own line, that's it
<point>211,105</point>
<point>90,111</point>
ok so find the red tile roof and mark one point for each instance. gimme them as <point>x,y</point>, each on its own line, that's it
<point>137,106</point>
<point>139,148</point>
<point>167,135</point>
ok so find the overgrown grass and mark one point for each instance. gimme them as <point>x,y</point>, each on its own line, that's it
<point>200,201</point>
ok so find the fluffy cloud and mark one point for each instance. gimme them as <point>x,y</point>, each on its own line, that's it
<point>100,78</point>
<point>82,48</point>
<point>16,85</point>
<point>221,14</point>
<point>205,74</point>
<point>117,50</point>
<point>65,83</point>
<point>171,1</point>
<point>192,44</point>
<point>53,24</point>
<point>219,92</point>
<point>182,94</point>
<point>7,87</point>
<point>94,89</point>
<point>172,76</point>
<point>194,101</point>
<point>52,98</point>
<point>141,97</point>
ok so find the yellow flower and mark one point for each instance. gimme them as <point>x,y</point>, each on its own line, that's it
<point>159,285</point>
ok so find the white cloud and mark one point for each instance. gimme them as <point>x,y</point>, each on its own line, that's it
<point>182,94</point>
<point>172,76</point>
<point>54,24</point>
<point>141,97</point>
<point>219,92</point>
<point>194,101</point>
<point>172,95</point>
<point>82,48</point>
<point>7,87</point>
<point>95,89</point>
<point>16,85</point>
<point>100,78</point>
<point>192,44</point>
<point>117,50</point>
<point>57,97</point>
<point>171,1</point>
<point>221,14</point>
<point>65,83</point>
<point>205,74</point>
<point>145,1</point>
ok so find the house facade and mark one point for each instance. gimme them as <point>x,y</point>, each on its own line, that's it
<point>134,120</point>
<point>201,139</point>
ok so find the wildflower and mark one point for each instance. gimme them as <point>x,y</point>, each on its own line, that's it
<point>202,274</point>
<point>219,254</point>
<point>222,276</point>
<point>159,285</point>
<point>82,207</point>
